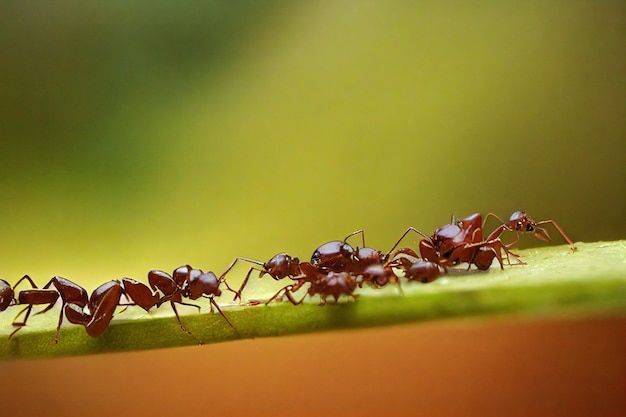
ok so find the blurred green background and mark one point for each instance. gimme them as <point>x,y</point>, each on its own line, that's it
<point>139,136</point>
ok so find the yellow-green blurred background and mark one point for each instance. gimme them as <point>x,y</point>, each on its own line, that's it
<point>152,134</point>
<point>141,136</point>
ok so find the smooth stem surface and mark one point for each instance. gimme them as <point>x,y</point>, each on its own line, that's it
<point>591,279</point>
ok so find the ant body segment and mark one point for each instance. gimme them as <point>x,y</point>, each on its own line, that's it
<point>185,282</point>
<point>95,312</point>
<point>520,223</point>
<point>416,268</point>
<point>278,267</point>
<point>100,308</point>
<point>371,266</point>
<point>32,297</point>
<point>7,295</point>
<point>459,242</point>
<point>339,256</point>
<point>323,283</point>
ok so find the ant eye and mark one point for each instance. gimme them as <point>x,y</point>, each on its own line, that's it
<point>529,228</point>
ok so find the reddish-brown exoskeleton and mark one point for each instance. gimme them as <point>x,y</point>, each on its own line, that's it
<point>336,255</point>
<point>371,266</point>
<point>7,295</point>
<point>462,241</point>
<point>95,312</point>
<point>185,282</point>
<point>325,283</point>
<point>99,310</point>
<point>278,267</point>
<point>520,223</point>
<point>416,268</point>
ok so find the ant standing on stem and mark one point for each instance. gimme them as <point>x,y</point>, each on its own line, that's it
<point>278,267</point>
<point>520,223</point>
<point>185,282</point>
<point>323,283</point>
<point>94,313</point>
<point>371,266</point>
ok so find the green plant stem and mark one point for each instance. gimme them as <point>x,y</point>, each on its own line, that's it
<point>591,279</point>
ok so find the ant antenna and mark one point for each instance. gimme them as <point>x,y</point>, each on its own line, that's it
<point>356,232</point>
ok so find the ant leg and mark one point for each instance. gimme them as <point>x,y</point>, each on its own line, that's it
<point>239,258</point>
<point>180,323</point>
<point>232,264</point>
<point>510,245</point>
<point>293,301</point>
<point>23,322</point>
<point>356,232</point>
<point>244,283</point>
<point>125,307</point>
<point>230,289</point>
<point>498,247</point>
<point>219,310</point>
<point>26,277</point>
<point>56,335</point>
<point>400,290</point>
<point>489,215</point>
<point>282,290</point>
<point>188,305</point>
<point>561,231</point>
<point>409,229</point>
<point>46,309</point>
<point>288,292</point>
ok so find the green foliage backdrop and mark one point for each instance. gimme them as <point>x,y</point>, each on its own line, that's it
<point>136,138</point>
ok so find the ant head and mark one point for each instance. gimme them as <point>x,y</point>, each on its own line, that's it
<point>521,223</point>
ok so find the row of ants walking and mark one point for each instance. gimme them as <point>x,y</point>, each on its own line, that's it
<point>336,269</point>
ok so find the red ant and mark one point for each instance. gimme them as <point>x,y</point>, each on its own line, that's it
<point>462,241</point>
<point>451,244</point>
<point>100,308</point>
<point>278,267</point>
<point>459,242</point>
<point>336,255</point>
<point>323,282</point>
<point>370,265</point>
<point>185,282</point>
<point>95,312</point>
<point>416,268</point>
<point>519,222</point>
